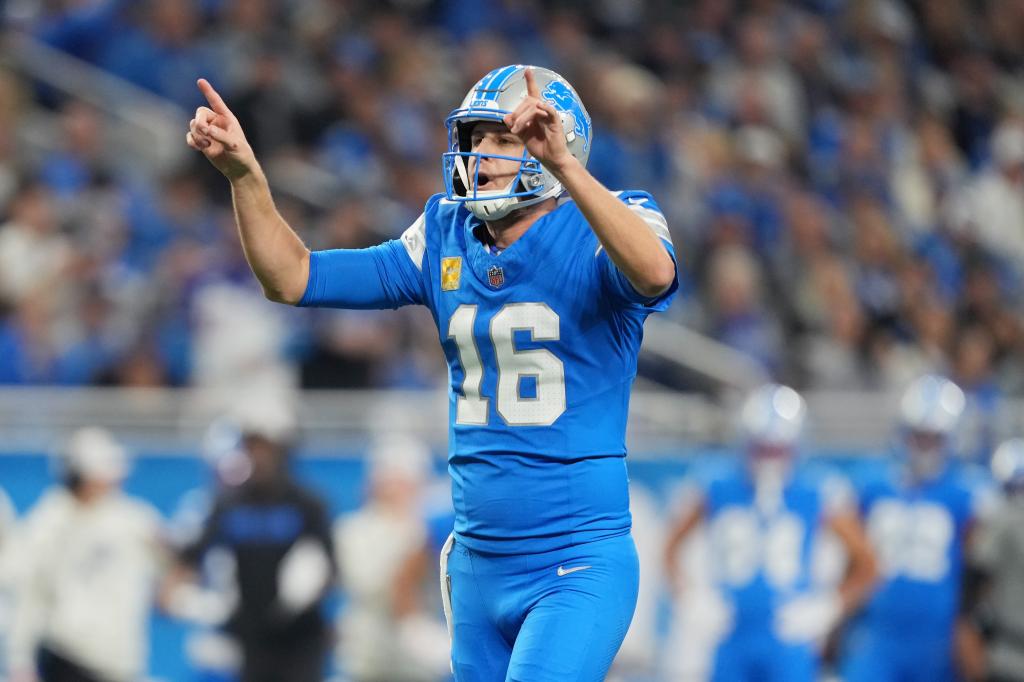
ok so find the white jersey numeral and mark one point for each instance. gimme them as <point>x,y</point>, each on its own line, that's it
<point>470,408</point>
<point>547,371</point>
<point>744,544</point>
<point>912,539</point>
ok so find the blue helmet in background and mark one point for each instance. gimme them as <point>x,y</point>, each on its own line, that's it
<point>491,99</point>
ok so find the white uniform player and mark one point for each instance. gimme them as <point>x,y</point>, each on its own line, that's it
<point>383,562</point>
<point>87,556</point>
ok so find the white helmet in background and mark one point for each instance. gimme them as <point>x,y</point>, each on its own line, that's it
<point>92,454</point>
<point>772,423</point>
<point>495,95</point>
<point>932,404</point>
<point>1008,465</point>
<point>930,412</point>
<point>271,417</point>
<point>773,416</point>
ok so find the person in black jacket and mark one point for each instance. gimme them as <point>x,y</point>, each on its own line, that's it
<point>278,533</point>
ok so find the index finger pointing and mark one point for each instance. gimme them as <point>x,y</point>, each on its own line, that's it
<point>216,103</point>
<point>531,84</point>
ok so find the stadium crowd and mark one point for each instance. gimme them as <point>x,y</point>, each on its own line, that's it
<point>843,179</point>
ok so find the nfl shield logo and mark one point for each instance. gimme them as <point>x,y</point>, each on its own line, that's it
<point>495,276</point>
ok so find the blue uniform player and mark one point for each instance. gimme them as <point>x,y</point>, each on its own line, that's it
<point>539,280</point>
<point>918,516</point>
<point>764,520</point>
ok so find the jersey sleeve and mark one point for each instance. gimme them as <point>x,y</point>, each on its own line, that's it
<point>616,284</point>
<point>389,275</point>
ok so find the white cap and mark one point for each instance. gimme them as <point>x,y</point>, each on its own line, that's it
<point>93,454</point>
<point>399,454</point>
<point>267,416</point>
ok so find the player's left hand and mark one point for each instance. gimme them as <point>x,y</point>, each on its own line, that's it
<point>538,125</point>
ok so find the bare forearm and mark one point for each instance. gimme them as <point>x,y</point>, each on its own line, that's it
<point>631,245</point>
<point>862,572</point>
<point>274,251</point>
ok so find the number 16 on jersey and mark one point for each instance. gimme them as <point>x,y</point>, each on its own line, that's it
<point>513,365</point>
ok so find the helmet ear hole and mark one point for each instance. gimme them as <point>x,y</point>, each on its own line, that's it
<point>464,133</point>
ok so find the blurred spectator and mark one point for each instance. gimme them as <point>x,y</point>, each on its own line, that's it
<point>277,534</point>
<point>386,562</point>
<point>33,252</point>
<point>895,124</point>
<point>974,372</point>
<point>993,205</point>
<point>87,556</point>
<point>740,319</point>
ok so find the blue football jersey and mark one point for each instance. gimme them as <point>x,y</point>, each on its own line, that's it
<point>761,559</point>
<point>541,341</point>
<point>917,532</point>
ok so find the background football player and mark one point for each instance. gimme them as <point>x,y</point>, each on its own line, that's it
<point>764,520</point>
<point>993,599</point>
<point>539,280</point>
<point>918,516</point>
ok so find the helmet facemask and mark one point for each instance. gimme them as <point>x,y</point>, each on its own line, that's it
<point>496,95</point>
<point>462,177</point>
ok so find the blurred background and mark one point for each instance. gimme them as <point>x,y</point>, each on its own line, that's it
<point>844,181</point>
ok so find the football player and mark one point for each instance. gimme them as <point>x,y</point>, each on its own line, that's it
<point>990,641</point>
<point>539,280</point>
<point>918,517</point>
<point>764,521</point>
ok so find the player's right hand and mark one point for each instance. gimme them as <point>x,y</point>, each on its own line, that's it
<point>217,134</point>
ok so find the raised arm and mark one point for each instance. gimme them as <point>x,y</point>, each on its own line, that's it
<point>274,251</point>
<point>634,248</point>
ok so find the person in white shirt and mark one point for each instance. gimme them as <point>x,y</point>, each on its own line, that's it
<point>383,560</point>
<point>87,558</point>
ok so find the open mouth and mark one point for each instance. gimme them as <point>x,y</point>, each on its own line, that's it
<point>482,181</point>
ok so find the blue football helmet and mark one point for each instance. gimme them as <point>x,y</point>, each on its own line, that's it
<point>491,99</point>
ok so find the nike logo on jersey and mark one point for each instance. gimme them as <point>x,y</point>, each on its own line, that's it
<point>566,571</point>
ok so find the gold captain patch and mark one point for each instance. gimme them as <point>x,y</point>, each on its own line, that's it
<point>451,271</point>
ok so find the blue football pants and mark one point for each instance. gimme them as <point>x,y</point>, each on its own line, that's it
<point>759,656</point>
<point>559,615</point>
<point>899,657</point>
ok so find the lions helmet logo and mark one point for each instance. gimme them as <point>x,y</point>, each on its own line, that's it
<point>565,101</point>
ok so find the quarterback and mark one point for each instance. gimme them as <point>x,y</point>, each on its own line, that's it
<point>539,280</point>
